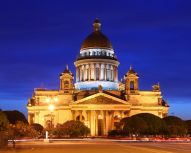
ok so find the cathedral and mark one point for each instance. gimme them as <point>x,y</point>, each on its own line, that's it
<point>97,98</point>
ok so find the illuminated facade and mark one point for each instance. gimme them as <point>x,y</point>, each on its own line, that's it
<point>97,98</point>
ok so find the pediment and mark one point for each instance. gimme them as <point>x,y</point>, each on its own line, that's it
<point>101,99</point>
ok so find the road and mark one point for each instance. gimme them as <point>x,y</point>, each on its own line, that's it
<point>99,147</point>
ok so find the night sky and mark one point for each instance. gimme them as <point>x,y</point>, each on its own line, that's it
<point>38,38</point>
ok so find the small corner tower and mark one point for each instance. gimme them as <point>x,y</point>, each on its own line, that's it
<point>66,81</point>
<point>131,82</point>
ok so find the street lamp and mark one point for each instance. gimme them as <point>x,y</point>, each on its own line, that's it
<point>51,108</point>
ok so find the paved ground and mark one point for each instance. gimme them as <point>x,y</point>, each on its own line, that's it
<point>99,147</point>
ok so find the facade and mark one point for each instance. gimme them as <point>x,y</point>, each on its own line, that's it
<point>97,98</point>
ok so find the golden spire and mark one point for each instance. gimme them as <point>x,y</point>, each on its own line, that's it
<point>97,25</point>
<point>130,67</point>
<point>67,67</point>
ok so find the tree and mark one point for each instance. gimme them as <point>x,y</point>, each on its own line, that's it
<point>188,124</point>
<point>21,129</point>
<point>38,127</point>
<point>134,125</point>
<point>15,116</point>
<point>3,121</point>
<point>3,130</point>
<point>176,126</point>
<point>144,123</point>
<point>72,129</point>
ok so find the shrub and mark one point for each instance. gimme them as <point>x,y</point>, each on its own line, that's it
<point>114,133</point>
<point>38,127</point>
<point>3,121</point>
<point>144,123</point>
<point>72,129</point>
<point>21,129</point>
<point>176,126</point>
<point>135,125</point>
<point>3,139</point>
<point>188,124</point>
<point>15,116</point>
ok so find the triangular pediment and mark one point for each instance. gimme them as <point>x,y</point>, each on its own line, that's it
<point>101,98</point>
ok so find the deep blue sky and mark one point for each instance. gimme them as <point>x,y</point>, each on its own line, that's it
<point>38,38</point>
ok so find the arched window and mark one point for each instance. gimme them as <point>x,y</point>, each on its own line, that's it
<point>66,84</point>
<point>78,118</point>
<point>131,85</point>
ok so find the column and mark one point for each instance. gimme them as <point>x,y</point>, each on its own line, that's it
<point>116,74</point>
<point>84,113</point>
<point>76,74</point>
<point>111,73</point>
<point>83,68</point>
<point>112,120</point>
<point>94,71</point>
<point>92,124</point>
<point>102,72</point>
<point>107,122</point>
<point>109,69</point>
<point>85,73</point>
<point>80,73</point>
<point>89,78</point>
<point>105,70</point>
<point>96,123</point>
<point>104,125</point>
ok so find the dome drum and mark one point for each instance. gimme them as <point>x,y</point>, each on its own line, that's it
<point>97,64</point>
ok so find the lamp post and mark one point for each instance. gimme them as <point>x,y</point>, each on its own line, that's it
<point>51,100</point>
<point>51,108</point>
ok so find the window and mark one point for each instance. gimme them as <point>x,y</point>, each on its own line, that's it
<point>131,85</point>
<point>66,84</point>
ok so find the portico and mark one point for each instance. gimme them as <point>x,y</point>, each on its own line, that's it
<point>100,112</point>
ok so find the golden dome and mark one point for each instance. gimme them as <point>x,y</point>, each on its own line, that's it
<point>96,39</point>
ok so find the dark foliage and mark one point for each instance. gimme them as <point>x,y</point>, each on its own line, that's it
<point>38,127</point>
<point>114,133</point>
<point>175,126</point>
<point>135,125</point>
<point>3,121</point>
<point>72,129</point>
<point>144,123</point>
<point>188,124</point>
<point>15,116</point>
<point>21,129</point>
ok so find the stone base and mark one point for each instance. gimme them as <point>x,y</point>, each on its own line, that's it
<point>47,140</point>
